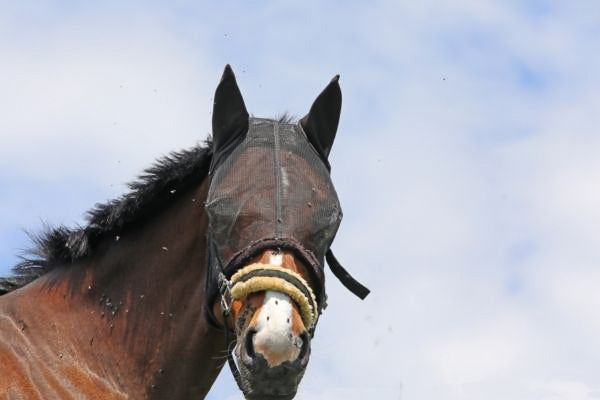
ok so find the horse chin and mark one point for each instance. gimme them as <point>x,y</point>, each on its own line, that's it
<point>264,382</point>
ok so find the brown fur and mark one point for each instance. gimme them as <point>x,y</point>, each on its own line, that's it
<point>128,322</point>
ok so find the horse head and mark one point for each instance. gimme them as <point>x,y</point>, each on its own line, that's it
<point>273,214</point>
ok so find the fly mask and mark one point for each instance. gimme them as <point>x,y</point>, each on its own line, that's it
<point>273,190</point>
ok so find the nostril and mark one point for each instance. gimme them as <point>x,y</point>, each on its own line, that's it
<point>249,343</point>
<point>305,345</point>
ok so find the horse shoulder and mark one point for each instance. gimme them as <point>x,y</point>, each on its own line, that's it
<point>32,368</point>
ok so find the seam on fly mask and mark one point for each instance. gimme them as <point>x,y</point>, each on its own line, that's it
<point>278,183</point>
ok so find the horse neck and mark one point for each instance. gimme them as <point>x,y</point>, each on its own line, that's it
<point>134,313</point>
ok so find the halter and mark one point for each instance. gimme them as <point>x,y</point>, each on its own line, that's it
<point>258,277</point>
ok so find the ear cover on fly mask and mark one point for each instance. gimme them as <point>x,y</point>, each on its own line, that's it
<point>321,122</point>
<point>230,118</point>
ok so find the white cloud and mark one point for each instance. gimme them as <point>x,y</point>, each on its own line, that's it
<point>87,102</point>
<point>563,390</point>
<point>106,102</point>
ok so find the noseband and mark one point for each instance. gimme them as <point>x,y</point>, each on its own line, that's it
<point>242,269</point>
<point>260,277</point>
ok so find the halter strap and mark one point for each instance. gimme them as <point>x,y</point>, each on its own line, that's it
<point>225,293</point>
<point>344,276</point>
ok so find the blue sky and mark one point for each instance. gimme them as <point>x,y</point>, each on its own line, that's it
<point>466,163</point>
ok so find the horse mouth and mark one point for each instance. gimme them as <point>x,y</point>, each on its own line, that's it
<point>249,345</point>
<point>269,397</point>
<point>264,382</point>
<point>280,383</point>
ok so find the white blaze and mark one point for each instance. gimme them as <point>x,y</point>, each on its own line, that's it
<point>274,338</point>
<point>276,259</point>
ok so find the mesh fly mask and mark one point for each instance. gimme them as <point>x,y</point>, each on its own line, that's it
<point>271,190</point>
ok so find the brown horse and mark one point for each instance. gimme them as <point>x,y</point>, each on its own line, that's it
<point>139,302</point>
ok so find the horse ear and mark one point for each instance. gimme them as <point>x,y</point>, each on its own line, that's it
<point>321,122</point>
<point>230,118</point>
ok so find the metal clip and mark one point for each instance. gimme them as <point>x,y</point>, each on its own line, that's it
<point>225,291</point>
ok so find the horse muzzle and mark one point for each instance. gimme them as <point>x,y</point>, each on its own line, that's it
<point>263,380</point>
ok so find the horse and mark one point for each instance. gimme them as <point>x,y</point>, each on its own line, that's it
<point>215,255</point>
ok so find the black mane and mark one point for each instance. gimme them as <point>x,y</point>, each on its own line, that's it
<point>286,118</point>
<point>168,178</point>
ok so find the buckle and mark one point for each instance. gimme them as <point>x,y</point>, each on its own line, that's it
<point>225,292</point>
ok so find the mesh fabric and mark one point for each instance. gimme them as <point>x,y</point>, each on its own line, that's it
<point>273,185</point>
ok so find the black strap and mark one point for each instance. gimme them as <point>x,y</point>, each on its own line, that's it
<point>213,283</point>
<point>347,280</point>
<point>224,291</point>
<point>230,345</point>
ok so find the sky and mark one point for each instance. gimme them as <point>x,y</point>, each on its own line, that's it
<point>466,162</point>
